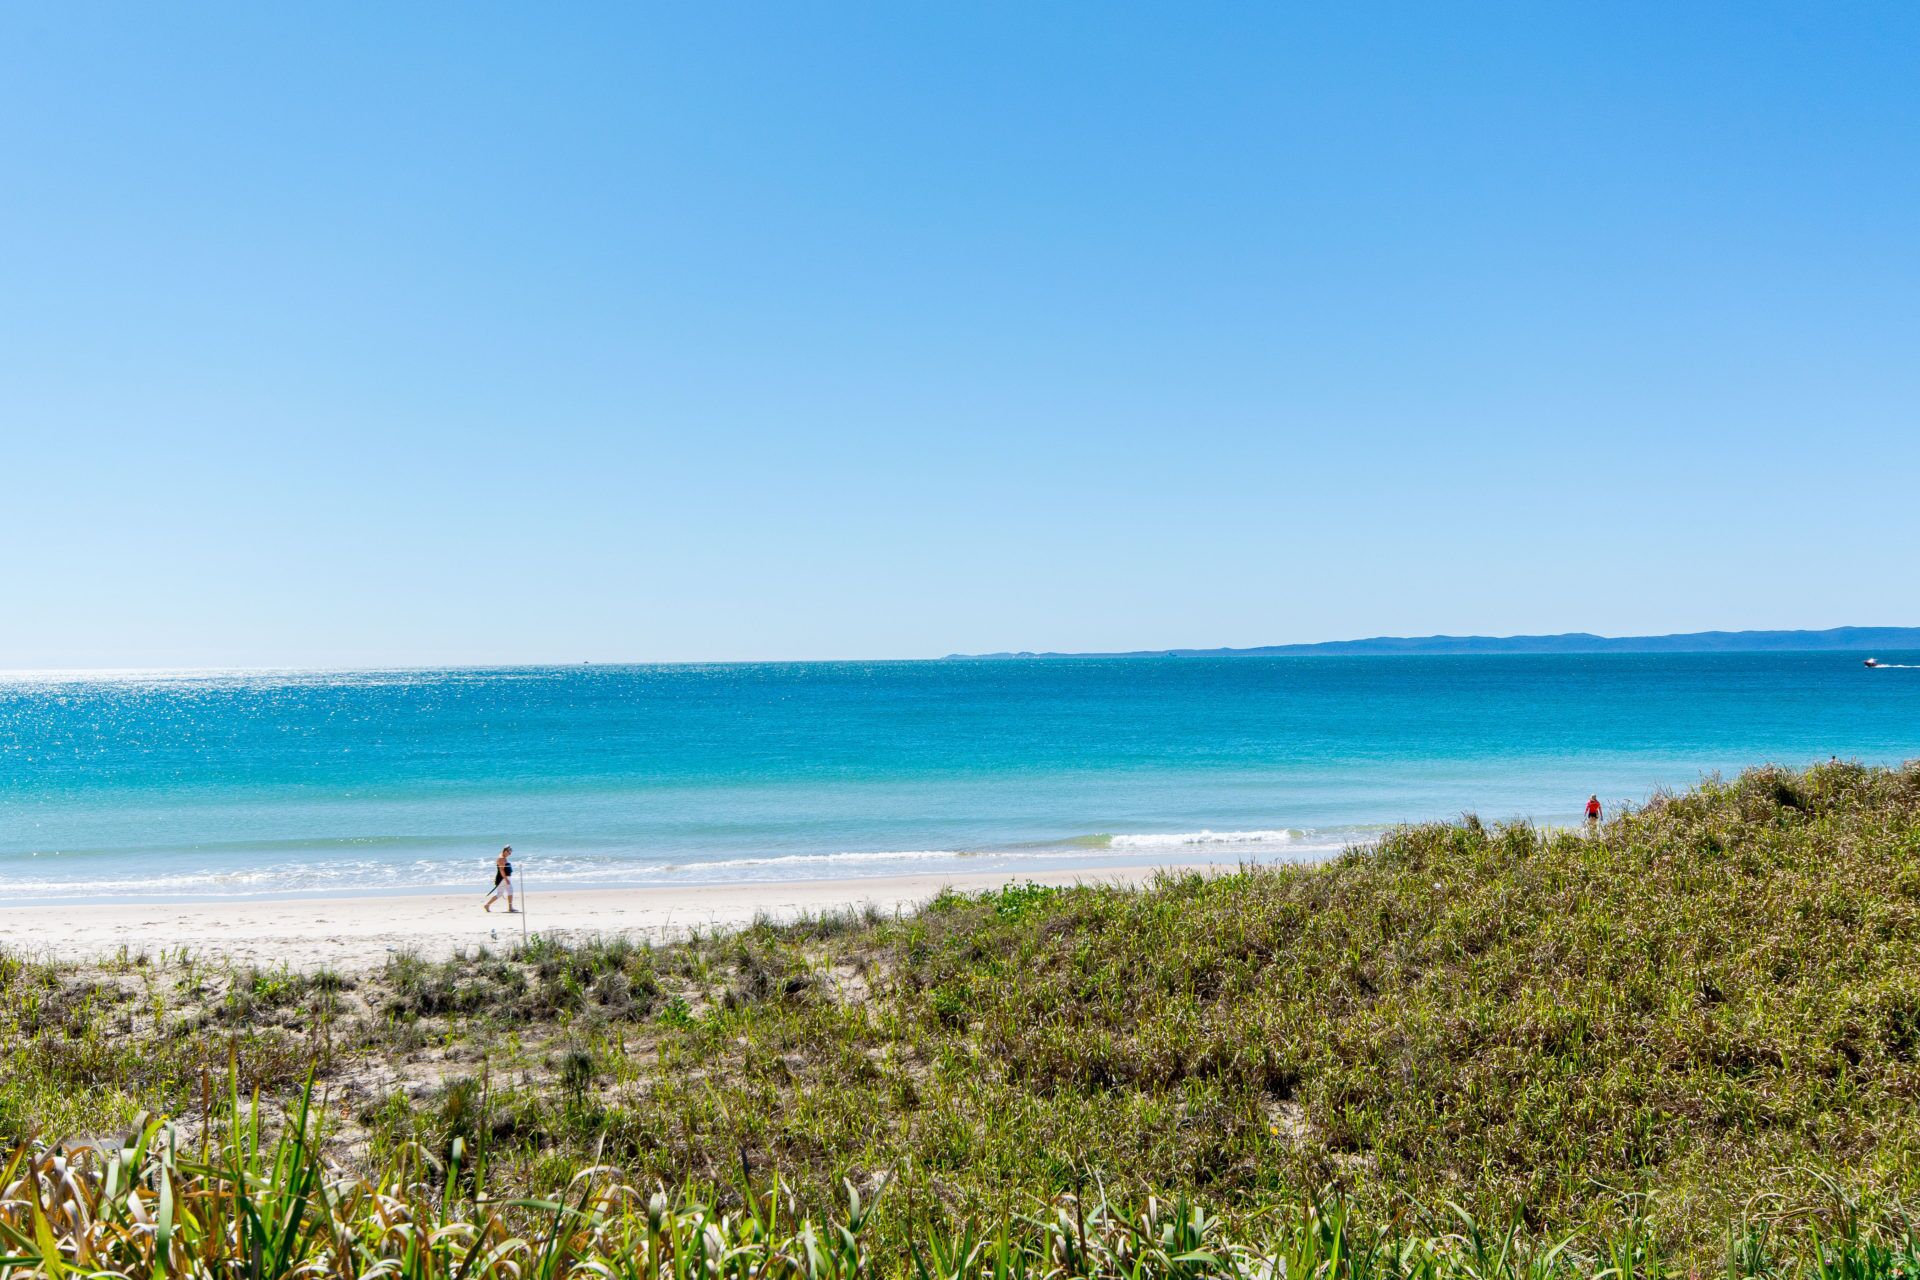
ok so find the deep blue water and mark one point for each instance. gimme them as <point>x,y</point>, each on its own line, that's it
<point>227,783</point>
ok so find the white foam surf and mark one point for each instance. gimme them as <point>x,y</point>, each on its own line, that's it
<point>806,859</point>
<point>1184,839</point>
<point>268,877</point>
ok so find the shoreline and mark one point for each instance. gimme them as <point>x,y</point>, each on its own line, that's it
<point>360,933</point>
<point>1176,854</point>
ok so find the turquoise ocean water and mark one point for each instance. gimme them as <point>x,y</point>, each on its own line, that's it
<point>202,784</point>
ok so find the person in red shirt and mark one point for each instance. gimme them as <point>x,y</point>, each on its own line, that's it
<point>1593,810</point>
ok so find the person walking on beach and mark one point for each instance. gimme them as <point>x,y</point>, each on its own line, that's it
<point>502,879</point>
<point>1593,810</point>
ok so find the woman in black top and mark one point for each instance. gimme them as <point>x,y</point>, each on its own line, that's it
<point>502,879</point>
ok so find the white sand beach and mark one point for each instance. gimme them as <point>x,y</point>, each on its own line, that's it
<point>353,934</point>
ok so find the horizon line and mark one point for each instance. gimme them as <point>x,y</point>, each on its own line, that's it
<point>15,673</point>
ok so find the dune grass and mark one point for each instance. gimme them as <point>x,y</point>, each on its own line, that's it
<point>1696,1028</point>
<point>251,1206</point>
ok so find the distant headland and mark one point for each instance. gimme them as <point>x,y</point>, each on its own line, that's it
<point>1834,639</point>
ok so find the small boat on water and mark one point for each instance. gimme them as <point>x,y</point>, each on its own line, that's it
<point>1873,662</point>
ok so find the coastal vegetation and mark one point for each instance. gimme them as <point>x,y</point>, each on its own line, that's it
<point>1688,1040</point>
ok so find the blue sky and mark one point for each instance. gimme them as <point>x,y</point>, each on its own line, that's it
<point>346,334</point>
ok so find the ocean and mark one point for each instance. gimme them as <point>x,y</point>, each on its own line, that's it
<point>162,785</point>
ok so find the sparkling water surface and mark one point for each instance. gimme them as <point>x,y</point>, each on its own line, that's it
<point>204,784</point>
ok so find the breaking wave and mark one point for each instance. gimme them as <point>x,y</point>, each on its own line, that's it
<point>40,876</point>
<point>1182,839</point>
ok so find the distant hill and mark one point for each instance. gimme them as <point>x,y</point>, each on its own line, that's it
<point>1835,639</point>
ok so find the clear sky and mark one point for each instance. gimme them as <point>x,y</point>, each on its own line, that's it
<point>338,334</point>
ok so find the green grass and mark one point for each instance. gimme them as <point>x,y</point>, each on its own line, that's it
<point>253,1206</point>
<point>1701,1023</point>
